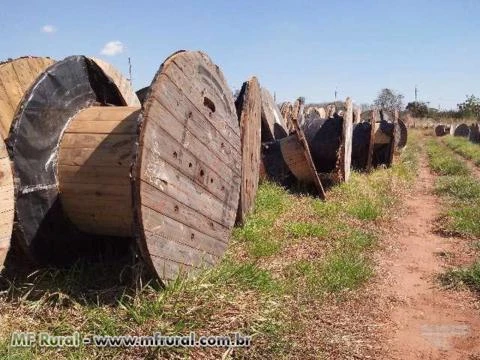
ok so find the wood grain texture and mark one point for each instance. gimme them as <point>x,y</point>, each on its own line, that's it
<point>314,178</point>
<point>123,84</point>
<point>94,165</point>
<point>395,134</point>
<point>16,77</point>
<point>346,144</point>
<point>249,106</point>
<point>373,120</point>
<point>6,203</point>
<point>286,109</point>
<point>188,167</point>
<point>273,123</point>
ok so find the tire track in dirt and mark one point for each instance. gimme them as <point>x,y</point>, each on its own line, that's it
<point>426,321</point>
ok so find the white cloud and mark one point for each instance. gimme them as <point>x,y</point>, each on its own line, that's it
<point>113,48</point>
<point>49,29</point>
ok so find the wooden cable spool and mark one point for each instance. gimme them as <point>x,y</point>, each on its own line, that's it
<point>441,130</point>
<point>167,174</point>
<point>16,78</point>
<point>249,110</point>
<point>462,130</point>
<point>474,136</point>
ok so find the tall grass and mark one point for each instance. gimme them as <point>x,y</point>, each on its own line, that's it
<point>464,147</point>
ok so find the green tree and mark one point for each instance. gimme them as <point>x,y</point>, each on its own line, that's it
<point>389,99</point>
<point>470,107</point>
<point>417,108</point>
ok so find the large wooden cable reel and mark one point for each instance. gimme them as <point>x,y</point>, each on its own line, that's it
<point>167,175</point>
<point>16,78</point>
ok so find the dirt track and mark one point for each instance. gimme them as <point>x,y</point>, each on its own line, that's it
<point>427,321</point>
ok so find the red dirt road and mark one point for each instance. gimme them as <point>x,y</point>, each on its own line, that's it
<point>427,321</point>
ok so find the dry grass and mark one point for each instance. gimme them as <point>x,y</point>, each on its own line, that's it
<point>296,278</point>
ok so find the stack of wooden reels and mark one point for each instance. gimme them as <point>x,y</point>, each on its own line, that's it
<point>170,168</point>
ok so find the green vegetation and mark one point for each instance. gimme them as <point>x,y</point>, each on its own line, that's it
<point>464,147</point>
<point>294,253</point>
<point>469,277</point>
<point>461,192</point>
<point>460,189</point>
<point>442,161</point>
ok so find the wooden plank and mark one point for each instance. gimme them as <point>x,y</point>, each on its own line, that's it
<point>176,231</point>
<point>189,138</point>
<point>301,138</point>
<point>346,142</point>
<point>371,144</point>
<point>6,203</point>
<point>170,207</point>
<point>272,120</point>
<point>91,174</point>
<point>104,159</point>
<point>189,99</point>
<point>249,105</point>
<point>294,156</point>
<point>193,120</point>
<point>23,73</point>
<point>123,84</point>
<point>394,137</point>
<point>16,78</point>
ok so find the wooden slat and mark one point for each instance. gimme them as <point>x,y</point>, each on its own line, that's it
<point>346,142</point>
<point>249,105</point>
<point>176,231</point>
<point>189,138</point>
<point>6,203</point>
<point>371,144</point>
<point>272,119</point>
<point>94,170</point>
<point>299,119</point>
<point>193,120</point>
<point>16,78</point>
<point>123,84</point>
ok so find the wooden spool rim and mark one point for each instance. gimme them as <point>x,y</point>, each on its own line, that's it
<point>7,203</point>
<point>44,232</point>
<point>186,252</point>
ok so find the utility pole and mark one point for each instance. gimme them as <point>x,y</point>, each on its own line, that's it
<point>416,94</point>
<point>336,95</point>
<point>130,71</point>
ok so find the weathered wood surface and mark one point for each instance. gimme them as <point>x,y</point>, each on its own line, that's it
<point>16,77</point>
<point>249,104</point>
<point>393,138</point>
<point>371,144</point>
<point>123,84</point>
<point>94,165</point>
<point>346,143</point>
<point>188,168</point>
<point>6,203</point>
<point>286,109</point>
<point>273,123</point>
<point>306,151</point>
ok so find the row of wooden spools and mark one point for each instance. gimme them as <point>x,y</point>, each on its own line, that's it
<point>471,132</point>
<point>86,164</point>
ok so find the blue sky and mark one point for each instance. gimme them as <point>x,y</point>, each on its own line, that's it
<point>295,48</point>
